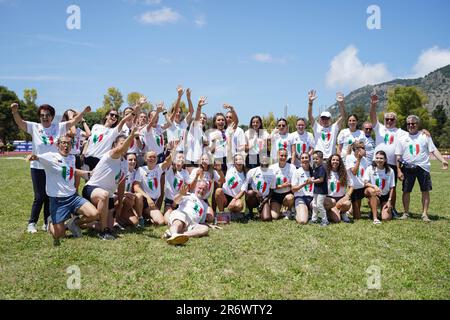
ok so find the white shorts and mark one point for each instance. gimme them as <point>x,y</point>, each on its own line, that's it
<point>179,215</point>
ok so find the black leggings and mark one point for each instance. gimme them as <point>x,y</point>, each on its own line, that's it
<point>40,196</point>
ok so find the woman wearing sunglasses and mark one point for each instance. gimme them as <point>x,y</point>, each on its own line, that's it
<point>44,135</point>
<point>280,140</point>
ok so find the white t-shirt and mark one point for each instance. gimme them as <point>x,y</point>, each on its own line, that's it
<point>416,149</point>
<point>233,181</point>
<point>280,142</point>
<point>77,142</point>
<point>282,175</point>
<point>299,177</point>
<point>59,173</point>
<point>346,138</point>
<point>256,145</point>
<point>237,142</point>
<point>194,207</point>
<point>325,139</point>
<point>174,182</point>
<point>130,178</point>
<point>370,148</point>
<point>108,173</point>
<point>386,140</point>
<point>302,142</point>
<point>44,139</point>
<point>177,131</point>
<point>150,180</point>
<point>384,181</point>
<point>154,140</point>
<point>134,147</point>
<point>194,142</point>
<point>261,181</point>
<point>356,181</point>
<point>101,140</point>
<point>207,178</point>
<point>335,189</point>
<point>221,142</point>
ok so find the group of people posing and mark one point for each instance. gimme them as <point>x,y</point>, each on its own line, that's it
<point>190,177</point>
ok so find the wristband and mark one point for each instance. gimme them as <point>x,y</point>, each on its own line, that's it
<point>165,112</point>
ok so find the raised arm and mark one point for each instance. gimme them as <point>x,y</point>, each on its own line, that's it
<point>124,120</point>
<point>75,120</point>
<point>87,130</point>
<point>17,118</point>
<point>373,108</point>
<point>191,107</point>
<point>201,102</point>
<point>180,92</point>
<point>230,108</point>
<point>341,102</point>
<point>117,152</point>
<point>311,97</point>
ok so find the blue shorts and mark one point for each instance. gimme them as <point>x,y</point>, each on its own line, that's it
<point>87,191</point>
<point>306,200</point>
<point>62,207</point>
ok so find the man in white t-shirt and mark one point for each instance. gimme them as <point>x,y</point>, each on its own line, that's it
<point>413,150</point>
<point>325,133</point>
<point>189,220</point>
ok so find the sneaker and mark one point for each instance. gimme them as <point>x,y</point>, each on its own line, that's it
<point>76,230</point>
<point>395,214</point>
<point>117,226</point>
<point>376,221</point>
<point>106,235</point>
<point>45,227</point>
<point>141,222</point>
<point>425,218</point>
<point>31,228</point>
<point>345,218</point>
<point>324,223</point>
<point>313,221</point>
<point>177,239</point>
<point>404,216</point>
<point>166,235</point>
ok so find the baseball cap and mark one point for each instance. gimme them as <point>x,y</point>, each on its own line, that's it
<point>325,114</point>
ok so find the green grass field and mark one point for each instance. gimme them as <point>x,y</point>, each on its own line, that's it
<point>278,260</point>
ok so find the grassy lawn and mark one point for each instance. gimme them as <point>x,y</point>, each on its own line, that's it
<point>278,260</point>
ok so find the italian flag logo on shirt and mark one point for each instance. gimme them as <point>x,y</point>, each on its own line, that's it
<point>414,149</point>
<point>326,136</point>
<point>97,138</point>
<point>380,183</point>
<point>232,183</point>
<point>198,209</point>
<point>282,145</point>
<point>67,173</point>
<point>309,187</point>
<point>301,147</point>
<point>335,186</point>
<point>118,176</point>
<point>350,141</point>
<point>261,186</point>
<point>281,180</point>
<point>160,140</point>
<point>388,138</point>
<point>177,184</point>
<point>48,140</point>
<point>360,172</point>
<point>153,183</point>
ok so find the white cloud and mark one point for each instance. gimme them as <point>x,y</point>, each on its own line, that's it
<point>159,17</point>
<point>268,58</point>
<point>430,60</point>
<point>347,71</point>
<point>200,21</point>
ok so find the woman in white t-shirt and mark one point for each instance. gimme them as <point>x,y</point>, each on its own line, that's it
<point>196,139</point>
<point>347,136</point>
<point>302,187</point>
<point>356,164</point>
<point>230,193</point>
<point>338,202</point>
<point>44,135</point>
<point>148,184</point>
<point>301,142</point>
<point>176,176</point>
<point>109,173</point>
<point>280,141</point>
<point>257,142</point>
<point>379,181</point>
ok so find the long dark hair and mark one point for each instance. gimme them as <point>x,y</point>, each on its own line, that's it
<point>65,116</point>
<point>342,172</point>
<point>106,115</point>
<point>386,165</point>
<point>309,162</point>
<point>219,114</point>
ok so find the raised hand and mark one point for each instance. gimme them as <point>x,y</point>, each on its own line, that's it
<point>202,101</point>
<point>14,107</point>
<point>227,106</point>
<point>312,96</point>
<point>188,93</point>
<point>374,97</point>
<point>184,189</point>
<point>160,107</point>
<point>87,109</point>
<point>340,97</point>
<point>180,91</point>
<point>142,100</point>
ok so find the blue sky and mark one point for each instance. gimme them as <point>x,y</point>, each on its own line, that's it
<point>258,55</point>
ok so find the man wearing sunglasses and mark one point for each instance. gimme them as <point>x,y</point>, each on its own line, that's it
<point>413,150</point>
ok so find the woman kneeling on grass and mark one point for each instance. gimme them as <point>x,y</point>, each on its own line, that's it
<point>380,183</point>
<point>337,203</point>
<point>190,217</point>
<point>302,187</point>
<point>60,186</point>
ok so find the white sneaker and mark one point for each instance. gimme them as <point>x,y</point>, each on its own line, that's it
<point>76,230</point>
<point>44,227</point>
<point>31,228</point>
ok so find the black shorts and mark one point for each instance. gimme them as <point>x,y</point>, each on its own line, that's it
<point>358,194</point>
<point>91,162</point>
<point>229,198</point>
<point>279,197</point>
<point>87,192</point>
<point>78,162</point>
<point>169,203</point>
<point>146,202</point>
<point>335,198</point>
<point>384,198</point>
<point>395,172</point>
<point>410,178</point>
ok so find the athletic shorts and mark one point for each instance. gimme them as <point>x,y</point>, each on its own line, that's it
<point>358,194</point>
<point>61,208</point>
<point>306,200</point>
<point>279,197</point>
<point>421,175</point>
<point>87,192</point>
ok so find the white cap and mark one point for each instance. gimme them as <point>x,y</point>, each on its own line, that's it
<point>325,114</point>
